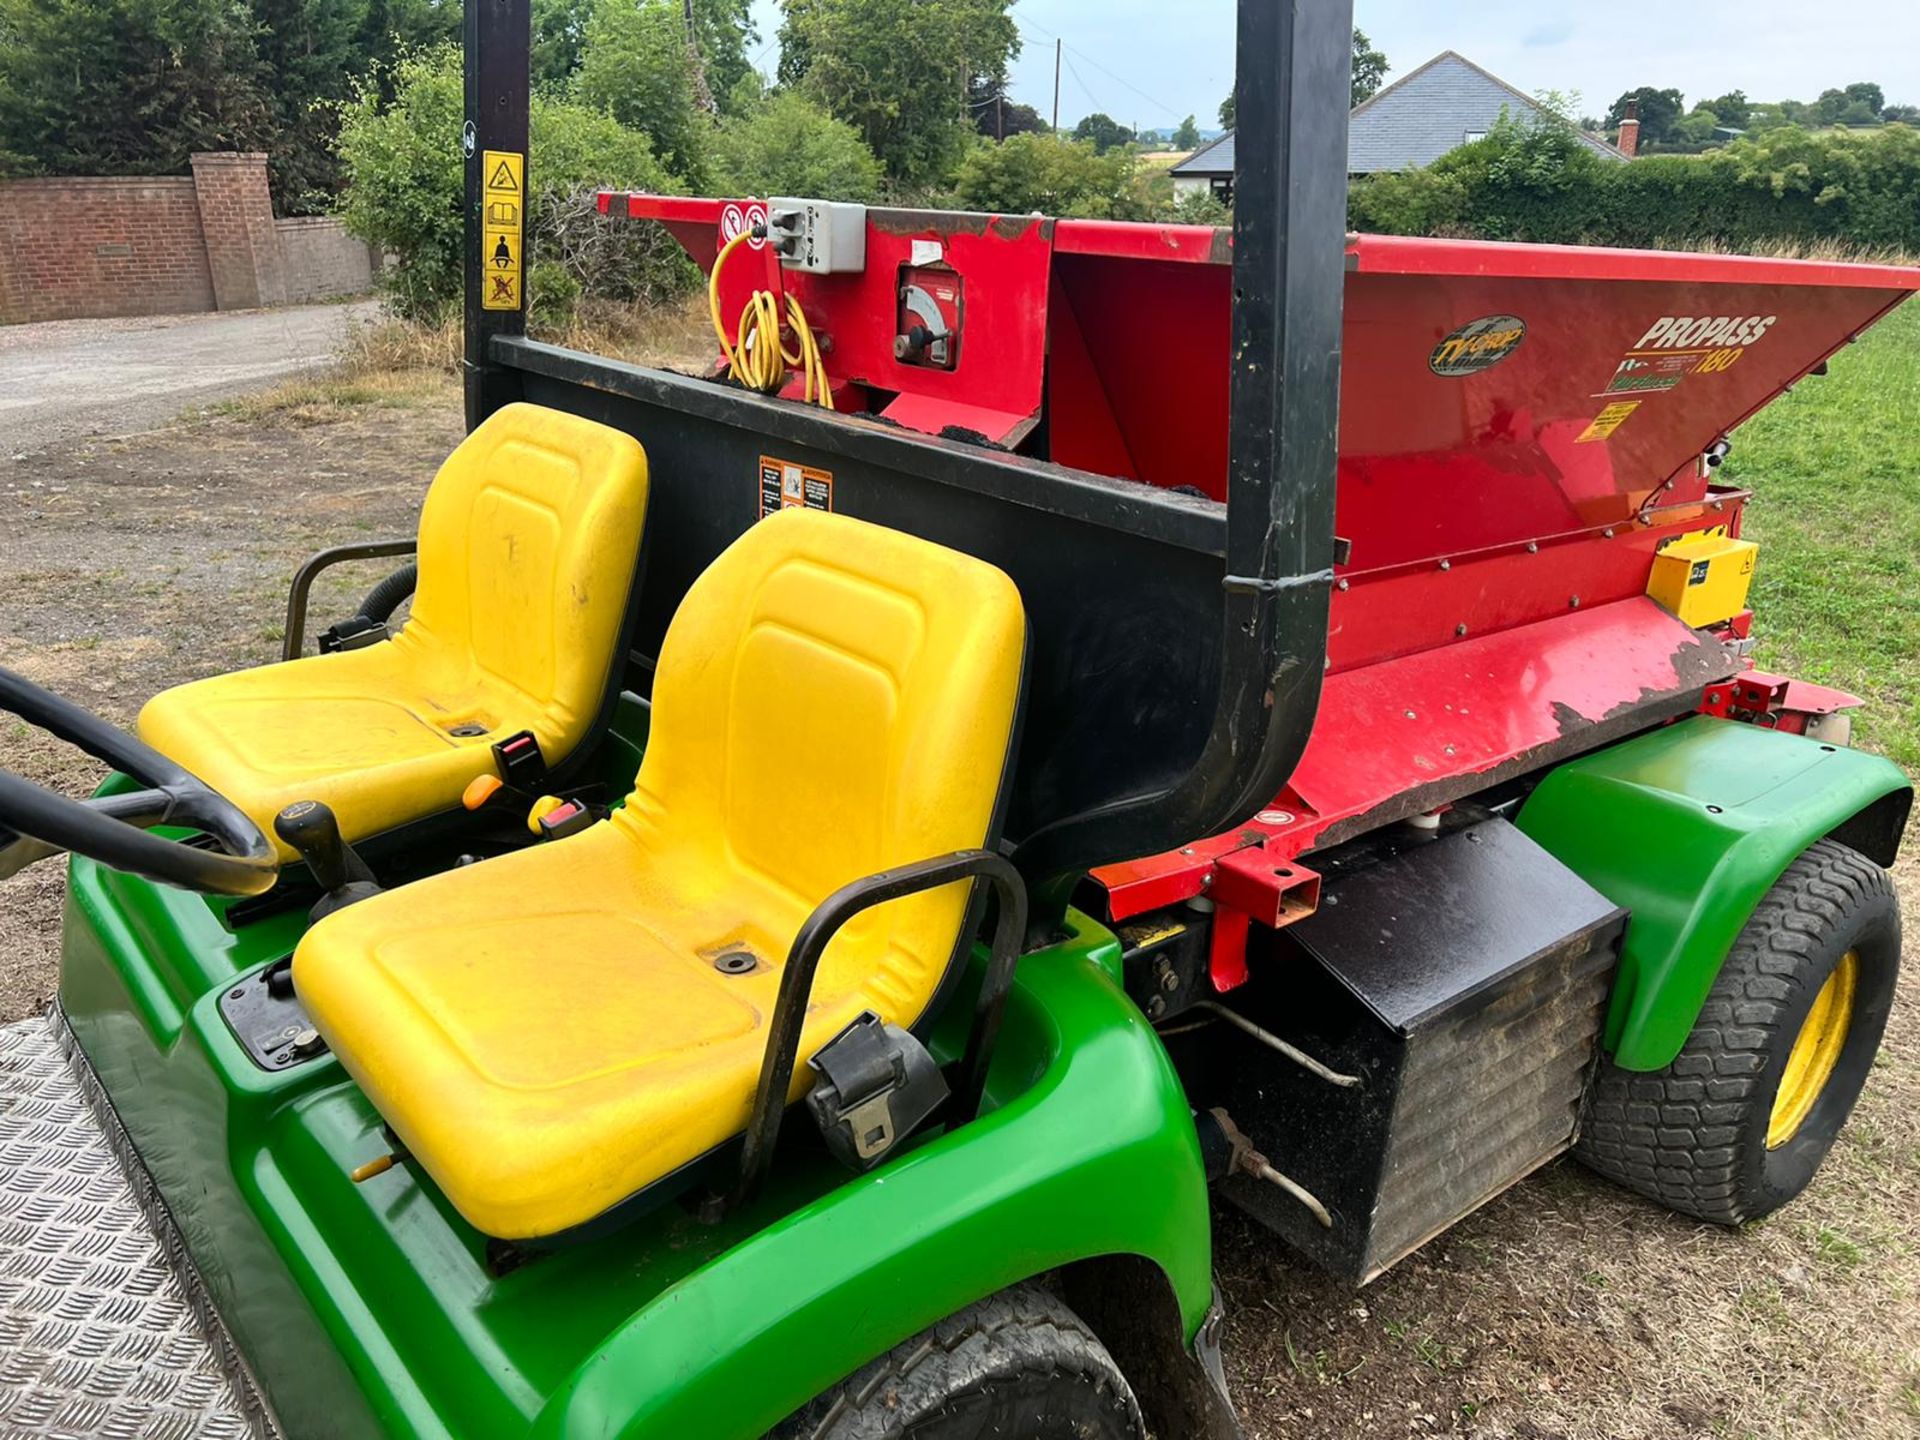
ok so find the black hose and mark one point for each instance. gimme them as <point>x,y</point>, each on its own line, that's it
<point>385,597</point>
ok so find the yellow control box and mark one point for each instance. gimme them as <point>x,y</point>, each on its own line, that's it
<point>1703,579</point>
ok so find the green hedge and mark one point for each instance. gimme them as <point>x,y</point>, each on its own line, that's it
<point>1787,187</point>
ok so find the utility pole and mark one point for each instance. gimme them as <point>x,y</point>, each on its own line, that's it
<point>1057,43</point>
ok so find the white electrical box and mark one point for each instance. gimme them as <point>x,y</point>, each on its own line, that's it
<point>823,237</point>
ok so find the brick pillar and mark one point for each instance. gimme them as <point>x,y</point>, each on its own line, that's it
<point>236,214</point>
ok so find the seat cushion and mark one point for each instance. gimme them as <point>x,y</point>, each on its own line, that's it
<point>548,1032</point>
<point>529,541</point>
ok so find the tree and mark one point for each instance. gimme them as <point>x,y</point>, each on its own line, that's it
<point>636,68</point>
<point>1187,137</point>
<point>1901,114</point>
<point>1102,131</point>
<point>310,50</point>
<point>1659,113</point>
<point>724,32</point>
<point>559,39</point>
<point>997,115</point>
<point>900,72</point>
<point>128,87</point>
<point>1733,108</point>
<point>1695,130</point>
<point>1867,94</point>
<point>787,145</point>
<point>1369,68</point>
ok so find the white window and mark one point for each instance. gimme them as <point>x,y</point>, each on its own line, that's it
<point>1473,135</point>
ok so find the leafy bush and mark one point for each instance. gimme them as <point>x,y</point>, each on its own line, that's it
<point>406,182</point>
<point>634,66</point>
<point>1201,207</point>
<point>786,145</point>
<point>1540,183</point>
<point>1052,175</point>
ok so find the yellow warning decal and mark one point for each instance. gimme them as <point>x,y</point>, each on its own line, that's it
<point>502,246</point>
<point>1608,421</point>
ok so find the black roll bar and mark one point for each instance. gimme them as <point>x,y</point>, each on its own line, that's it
<point>803,959</point>
<point>1292,92</point>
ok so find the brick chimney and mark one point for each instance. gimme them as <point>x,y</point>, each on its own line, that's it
<point>1629,141</point>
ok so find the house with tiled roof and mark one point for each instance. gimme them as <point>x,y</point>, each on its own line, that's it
<point>1445,103</point>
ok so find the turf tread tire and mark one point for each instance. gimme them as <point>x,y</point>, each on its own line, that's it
<point>956,1381</point>
<point>1693,1136</point>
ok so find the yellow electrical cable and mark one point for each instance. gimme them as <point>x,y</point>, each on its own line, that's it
<point>755,354</point>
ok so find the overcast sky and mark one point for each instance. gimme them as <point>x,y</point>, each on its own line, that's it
<point>1150,62</point>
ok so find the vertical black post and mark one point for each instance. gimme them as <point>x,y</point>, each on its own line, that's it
<point>1292,99</point>
<point>498,39</point>
<point>1289,276</point>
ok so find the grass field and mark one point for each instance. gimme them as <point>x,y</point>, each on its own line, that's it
<point>1835,469</point>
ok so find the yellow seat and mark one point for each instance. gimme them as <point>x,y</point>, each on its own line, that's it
<point>529,540</point>
<point>547,1032</point>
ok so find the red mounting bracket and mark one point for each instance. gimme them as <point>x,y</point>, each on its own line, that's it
<point>1254,884</point>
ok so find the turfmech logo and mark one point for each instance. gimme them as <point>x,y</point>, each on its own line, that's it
<point>1685,332</point>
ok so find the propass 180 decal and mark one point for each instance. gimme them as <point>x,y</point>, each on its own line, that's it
<point>1478,346</point>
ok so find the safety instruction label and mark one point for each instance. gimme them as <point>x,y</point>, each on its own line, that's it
<point>504,212</point>
<point>1608,421</point>
<point>787,486</point>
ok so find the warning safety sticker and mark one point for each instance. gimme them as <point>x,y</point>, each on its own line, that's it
<point>787,486</point>
<point>503,207</point>
<point>1608,421</point>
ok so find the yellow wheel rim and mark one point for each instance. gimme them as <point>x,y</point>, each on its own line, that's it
<point>1815,1052</point>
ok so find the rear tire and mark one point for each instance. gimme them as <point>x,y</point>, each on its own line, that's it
<point>1017,1366</point>
<point>1737,1125</point>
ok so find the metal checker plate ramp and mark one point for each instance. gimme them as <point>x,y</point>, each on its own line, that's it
<point>99,1331</point>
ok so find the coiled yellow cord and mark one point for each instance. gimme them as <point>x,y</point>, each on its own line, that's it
<point>754,353</point>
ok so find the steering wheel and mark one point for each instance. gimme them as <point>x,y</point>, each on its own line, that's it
<point>36,823</point>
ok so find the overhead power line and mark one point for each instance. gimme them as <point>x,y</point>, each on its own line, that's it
<point>1023,22</point>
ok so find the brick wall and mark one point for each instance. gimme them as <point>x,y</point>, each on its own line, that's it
<point>77,248</point>
<point>74,248</point>
<point>321,260</point>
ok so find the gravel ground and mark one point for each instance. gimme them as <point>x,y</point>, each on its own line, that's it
<point>67,379</point>
<point>1564,1310</point>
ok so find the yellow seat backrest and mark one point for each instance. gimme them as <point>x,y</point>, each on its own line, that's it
<point>527,550</point>
<point>833,699</point>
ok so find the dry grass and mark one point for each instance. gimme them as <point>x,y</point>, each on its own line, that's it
<point>1831,250</point>
<point>405,365</point>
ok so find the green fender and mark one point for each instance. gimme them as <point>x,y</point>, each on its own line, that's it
<point>1687,827</point>
<point>1097,1157</point>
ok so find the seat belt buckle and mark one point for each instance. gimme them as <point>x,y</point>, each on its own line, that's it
<point>555,819</point>
<point>520,762</point>
<point>876,1084</point>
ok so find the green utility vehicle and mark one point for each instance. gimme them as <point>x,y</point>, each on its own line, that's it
<point>848,856</point>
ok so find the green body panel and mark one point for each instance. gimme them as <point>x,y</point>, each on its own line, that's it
<point>367,1310</point>
<point>1688,827</point>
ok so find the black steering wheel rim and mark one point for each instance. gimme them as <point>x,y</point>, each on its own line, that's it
<point>113,828</point>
